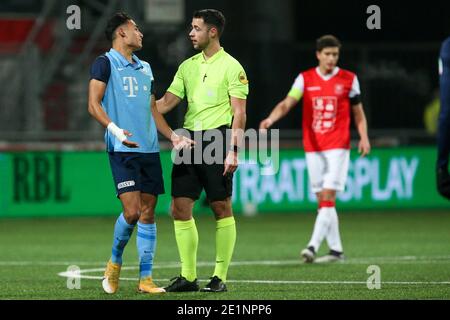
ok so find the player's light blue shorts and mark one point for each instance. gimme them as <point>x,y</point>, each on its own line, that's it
<point>135,171</point>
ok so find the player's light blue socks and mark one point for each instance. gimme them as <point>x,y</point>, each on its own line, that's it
<point>122,233</point>
<point>146,243</point>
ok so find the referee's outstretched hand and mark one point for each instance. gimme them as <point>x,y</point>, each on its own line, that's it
<point>264,125</point>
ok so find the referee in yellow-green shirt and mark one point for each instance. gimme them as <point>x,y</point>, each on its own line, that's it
<point>216,87</point>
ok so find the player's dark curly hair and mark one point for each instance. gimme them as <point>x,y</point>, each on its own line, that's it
<point>212,17</point>
<point>116,20</point>
<point>327,41</point>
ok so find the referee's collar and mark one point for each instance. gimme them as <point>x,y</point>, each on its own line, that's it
<point>124,62</point>
<point>214,57</point>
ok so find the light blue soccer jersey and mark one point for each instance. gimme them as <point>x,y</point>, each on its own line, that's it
<point>127,102</point>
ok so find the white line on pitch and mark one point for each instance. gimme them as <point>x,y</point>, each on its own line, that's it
<point>82,276</point>
<point>172,264</point>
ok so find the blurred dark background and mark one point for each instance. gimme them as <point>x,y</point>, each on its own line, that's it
<point>45,66</point>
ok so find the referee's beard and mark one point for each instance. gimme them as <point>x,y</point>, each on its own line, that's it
<point>200,46</point>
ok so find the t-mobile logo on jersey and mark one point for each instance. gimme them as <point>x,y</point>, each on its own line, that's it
<point>130,84</point>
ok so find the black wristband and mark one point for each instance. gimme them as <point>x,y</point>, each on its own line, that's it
<point>234,148</point>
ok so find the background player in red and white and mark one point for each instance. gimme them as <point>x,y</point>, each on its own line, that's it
<point>329,93</point>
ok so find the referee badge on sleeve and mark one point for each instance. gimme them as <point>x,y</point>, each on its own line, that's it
<point>243,77</point>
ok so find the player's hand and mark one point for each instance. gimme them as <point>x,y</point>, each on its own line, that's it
<point>231,162</point>
<point>265,124</point>
<point>443,181</point>
<point>181,142</point>
<point>128,143</point>
<point>364,147</point>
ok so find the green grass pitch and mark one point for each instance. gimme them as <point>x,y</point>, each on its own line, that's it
<point>411,248</point>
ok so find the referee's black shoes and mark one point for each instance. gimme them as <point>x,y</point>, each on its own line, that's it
<point>215,285</point>
<point>181,284</point>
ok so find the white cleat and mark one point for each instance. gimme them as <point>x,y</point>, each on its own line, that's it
<point>308,255</point>
<point>330,258</point>
<point>107,287</point>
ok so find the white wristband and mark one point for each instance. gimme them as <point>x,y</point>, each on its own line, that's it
<point>116,131</point>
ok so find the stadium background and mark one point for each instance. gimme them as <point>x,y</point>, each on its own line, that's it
<point>52,160</point>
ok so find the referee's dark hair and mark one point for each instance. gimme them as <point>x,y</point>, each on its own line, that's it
<point>116,20</point>
<point>327,41</point>
<point>212,17</point>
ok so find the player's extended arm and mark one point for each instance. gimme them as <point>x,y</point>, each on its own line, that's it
<point>281,109</point>
<point>96,92</point>
<point>178,141</point>
<point>237,132</point>
<point>361,126</point>
<point>167,102</point>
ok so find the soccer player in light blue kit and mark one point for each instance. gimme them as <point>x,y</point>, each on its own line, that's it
<point>121,98</point>
<point>443,141</point>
